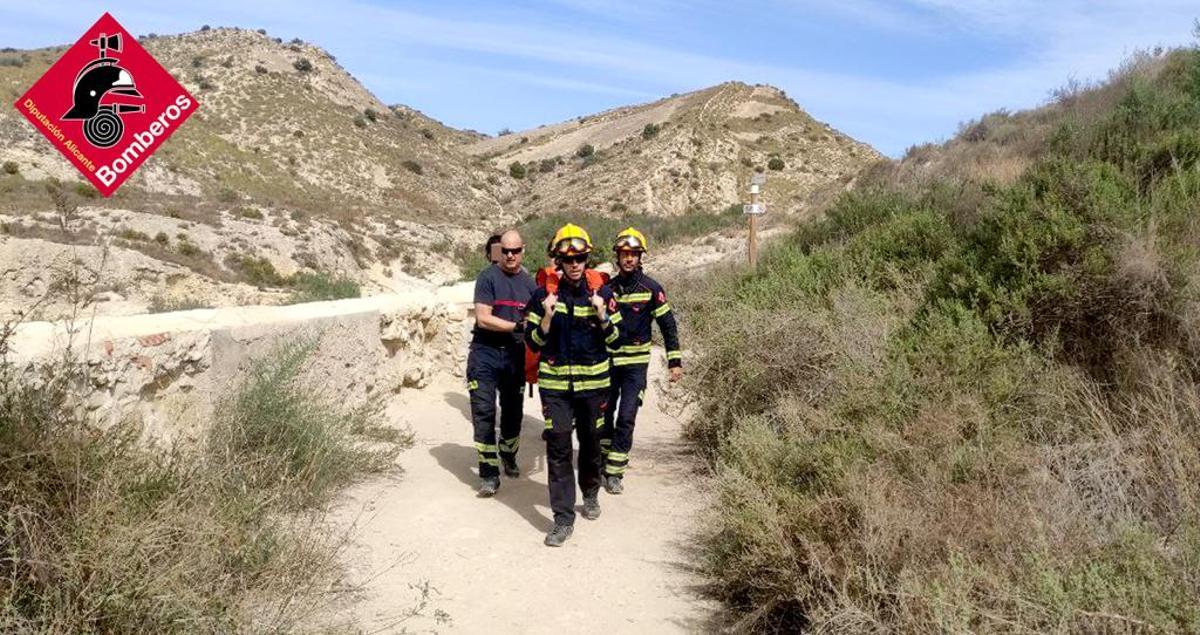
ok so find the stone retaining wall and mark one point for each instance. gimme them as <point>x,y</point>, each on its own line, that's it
<point>171,370</point>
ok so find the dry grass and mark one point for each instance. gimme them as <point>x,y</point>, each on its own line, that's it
<point>102,532</point>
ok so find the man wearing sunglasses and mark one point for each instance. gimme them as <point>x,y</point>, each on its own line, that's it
<point>572,329</point>
<point>496,362</point>
<point>641,301</point>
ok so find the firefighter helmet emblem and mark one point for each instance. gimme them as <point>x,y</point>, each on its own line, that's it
<point>102,125</point>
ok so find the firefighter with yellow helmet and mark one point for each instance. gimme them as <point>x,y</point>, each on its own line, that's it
<point>571,328</point>
<point>641,300</point>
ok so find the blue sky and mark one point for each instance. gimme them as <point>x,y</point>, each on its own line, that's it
<point>891,74</point>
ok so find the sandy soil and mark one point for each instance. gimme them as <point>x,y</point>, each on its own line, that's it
<point>483,559</point>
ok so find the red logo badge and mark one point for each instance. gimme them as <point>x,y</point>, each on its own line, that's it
<point>107,105</point>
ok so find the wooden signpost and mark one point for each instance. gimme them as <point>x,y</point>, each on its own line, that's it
<point>754,209</point>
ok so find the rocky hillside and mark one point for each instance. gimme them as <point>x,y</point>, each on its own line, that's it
<point>686,153</point>
<point>289,160</point>
<point>291,167</point>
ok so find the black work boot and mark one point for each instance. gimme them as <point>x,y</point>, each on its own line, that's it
<point>510,466</point>
<point>488,487</point>
<point>591,507</point>
<point>613,485</point>
<point>558,535</point>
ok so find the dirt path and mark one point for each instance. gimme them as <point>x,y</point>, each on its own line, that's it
<point>483,559</point>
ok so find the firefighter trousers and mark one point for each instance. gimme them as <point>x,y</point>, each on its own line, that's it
<point>585,413</point>
<point>624,398</point>
<point>496,371</point>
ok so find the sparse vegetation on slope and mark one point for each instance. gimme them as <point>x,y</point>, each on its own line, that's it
<point>680,155</point>
<point>661,231</point>
<point>967,402</point>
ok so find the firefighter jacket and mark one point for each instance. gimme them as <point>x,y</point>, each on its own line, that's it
<point>642,300</point>
<point>574,355</point>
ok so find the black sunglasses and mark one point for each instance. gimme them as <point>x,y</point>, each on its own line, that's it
<point>511,252</point>
<point>578,258</point>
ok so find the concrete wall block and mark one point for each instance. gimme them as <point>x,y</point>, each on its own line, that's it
<point>173,370</point>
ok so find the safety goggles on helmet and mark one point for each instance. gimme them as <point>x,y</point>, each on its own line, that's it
<point>571,246</point>
<point>629,243</point>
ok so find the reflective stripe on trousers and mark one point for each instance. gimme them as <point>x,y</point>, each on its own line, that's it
<point>624,398</point>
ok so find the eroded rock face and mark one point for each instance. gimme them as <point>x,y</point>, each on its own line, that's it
<point>173,370</point>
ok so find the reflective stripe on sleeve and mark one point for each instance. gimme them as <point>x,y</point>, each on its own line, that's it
<point>633,297</point>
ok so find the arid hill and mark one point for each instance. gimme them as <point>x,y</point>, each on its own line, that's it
<point>292,167</point>
<point>686,153</point>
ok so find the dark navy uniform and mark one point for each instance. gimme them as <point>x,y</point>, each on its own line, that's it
<point>641,301</point>
<point>496,364</point>
<point>573,381</point>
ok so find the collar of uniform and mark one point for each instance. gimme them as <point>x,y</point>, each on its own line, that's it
<point>565,283</point>
<point>629,281</point>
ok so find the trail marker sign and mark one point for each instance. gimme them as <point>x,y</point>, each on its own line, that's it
<point>106,104</point>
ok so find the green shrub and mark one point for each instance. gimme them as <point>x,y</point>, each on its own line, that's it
<point>188,249</point>
<point>274,435</point>
<point>257,271</point>
<point>103,532</point>
<point>162,238</point>
<point>516,170</point>
<point>132,234</point>
<point>317,287</point>
<point>260,69</point>
<point>303,65</point>
<point>11,167</point>
<point>650,131</point>
<point>586,150</point>
<point>168,304</point>
<point>775,163</point>
<point>360,121</point>
<point>249,212</point>
<point>948,409</point>
<point>371,115</point>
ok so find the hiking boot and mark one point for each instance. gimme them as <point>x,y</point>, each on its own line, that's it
<point>558,535</point>
<point>591,507</point>
<point>612,485</point>
<point>510,467</point>
<point>488,487</point>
